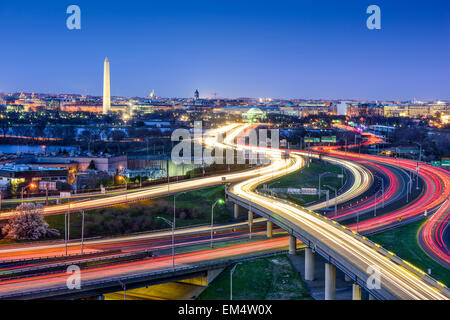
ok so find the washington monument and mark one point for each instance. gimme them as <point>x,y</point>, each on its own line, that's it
<point>106,88</point>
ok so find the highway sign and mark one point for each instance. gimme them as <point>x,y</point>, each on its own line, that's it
<point>435,163</point>
<point>445,162</point>
<point>47,185</point>
<point>311,191</point>
<point>331,139</point>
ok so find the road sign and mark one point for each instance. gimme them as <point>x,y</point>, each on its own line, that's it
<point>445,162</point>
<point>331,139</point>
<point>63,195</point>
<point>310,191</point>
<point>47,185</point>
<point>435,163</point>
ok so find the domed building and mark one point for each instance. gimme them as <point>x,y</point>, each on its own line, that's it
<point>253,115</point>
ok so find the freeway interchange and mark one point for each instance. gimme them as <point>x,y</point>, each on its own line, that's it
<point>345,248</point>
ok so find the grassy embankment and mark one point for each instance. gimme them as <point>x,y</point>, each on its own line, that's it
<point>403,241</point>
<point>309,178</point>
<point>193,208</point>
<point>269,278</point>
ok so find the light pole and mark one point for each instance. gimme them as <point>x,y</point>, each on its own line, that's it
<point>173,239</point>
<point>320,176</point>
<point>382,187</point>
<point>408,187</point>
<point>231,280</point>
<point>420,150</point>
<point>82,230</point>
<point>174,207</point>
<point>31,186</point>
<point>271,184</point>
<point>122,178</point>
<point>335,199</point>
<point>218,201</point>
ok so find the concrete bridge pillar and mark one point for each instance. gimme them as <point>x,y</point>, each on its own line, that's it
<point>236,210</point>
<point>356,292</point>
<point>269,229</point>
<point>292,245</point>
<point>330,281</point>
<point>309,264</point>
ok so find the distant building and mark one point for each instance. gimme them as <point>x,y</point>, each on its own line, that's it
<point>364,110</point>
<point>254,114</point>
<point>196,95</point>
<point>341,108</point>
<point>19,173</point>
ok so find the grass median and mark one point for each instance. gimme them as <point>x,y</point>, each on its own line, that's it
<point>271,278</point>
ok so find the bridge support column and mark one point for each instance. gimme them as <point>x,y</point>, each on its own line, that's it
<point>269,229</point>
<point>309,264</point>
<point>356,292</point>
<point>330,281</point>
<point>292,245</point>
<point>236,210</point>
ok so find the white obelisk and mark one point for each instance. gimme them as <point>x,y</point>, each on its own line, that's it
<point>106,88</point>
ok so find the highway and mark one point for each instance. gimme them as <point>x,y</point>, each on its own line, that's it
<point>401,282</point>
<point>397,279</point>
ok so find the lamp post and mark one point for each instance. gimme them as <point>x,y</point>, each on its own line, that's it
<point>271,184</point>
<point>174,207</point>
<point>31,186</point>
<point>82,230</point>
<point>320,176</point>
<point>122,178</point>
<point>382,187</point>
<point>218,201</point>
<point>231,280</point>
<point>335,199</point>
<point>173,239</point>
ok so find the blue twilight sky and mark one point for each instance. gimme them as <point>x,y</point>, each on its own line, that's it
<point>280,48</point>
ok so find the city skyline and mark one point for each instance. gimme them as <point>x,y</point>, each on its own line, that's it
<point>247,50</point>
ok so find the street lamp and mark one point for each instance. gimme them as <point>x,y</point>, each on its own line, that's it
<point>320,176</point>
<point>173,239</point>
<point>82,230</point>
<point>335,199</point>
<point>382,187</point>
<point>31,186</point>
<point>231,279</point>
<point>218,201</point>
<point>271,184</point>
<point>122,178</point>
